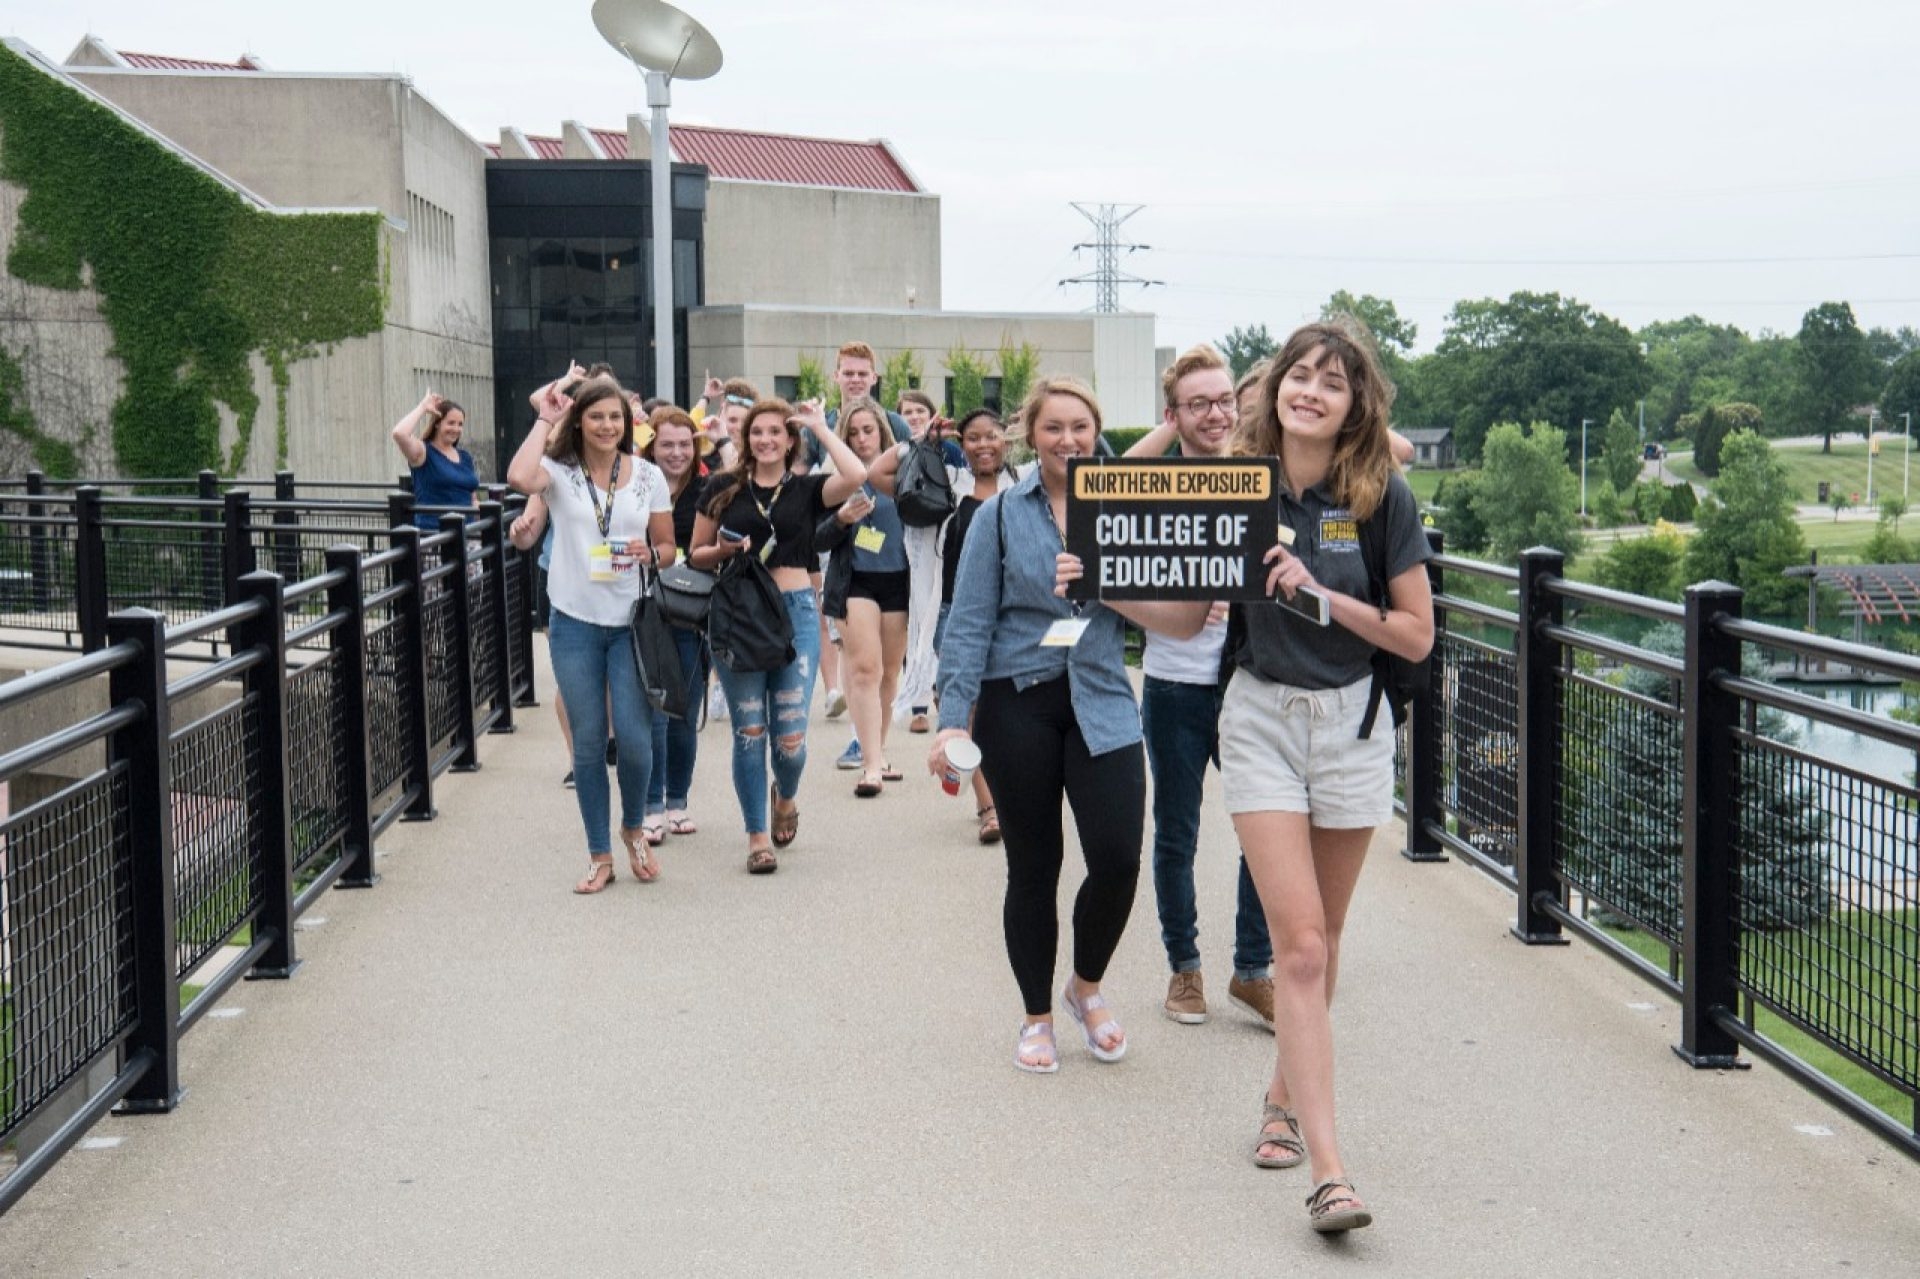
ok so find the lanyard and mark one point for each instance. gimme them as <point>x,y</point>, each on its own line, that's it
<point>766,510</point>
<point>603,511</point>
<point>1074,605</point>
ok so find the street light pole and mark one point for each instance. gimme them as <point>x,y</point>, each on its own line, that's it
<point>1872,414</point>
<point>1906,466</point>
<point>1584,422</point>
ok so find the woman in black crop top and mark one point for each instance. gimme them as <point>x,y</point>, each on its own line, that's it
<point>760,507</point>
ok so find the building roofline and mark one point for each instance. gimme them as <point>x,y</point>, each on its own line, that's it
<point>819,186</point>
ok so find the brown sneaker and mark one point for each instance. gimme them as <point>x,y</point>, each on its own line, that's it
<point>1255,996</point>
<point>1186,1000</point>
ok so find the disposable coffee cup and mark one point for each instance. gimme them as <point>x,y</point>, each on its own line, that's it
<point>962,758</point>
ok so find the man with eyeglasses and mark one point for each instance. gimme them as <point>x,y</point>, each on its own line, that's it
<point>1180,714</point>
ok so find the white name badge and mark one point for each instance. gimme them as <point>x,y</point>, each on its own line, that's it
<point>600,563</point>
<point>1065,633</point>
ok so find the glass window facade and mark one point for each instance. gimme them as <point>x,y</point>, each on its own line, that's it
<point>571,259</point>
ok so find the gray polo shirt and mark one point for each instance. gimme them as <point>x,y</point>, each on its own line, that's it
<point>1284,648</point>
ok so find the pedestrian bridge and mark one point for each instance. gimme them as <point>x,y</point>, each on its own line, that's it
<point>475,1071</point>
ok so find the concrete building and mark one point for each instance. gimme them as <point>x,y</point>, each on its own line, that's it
<point>796,245</point>
<point>342,141</point>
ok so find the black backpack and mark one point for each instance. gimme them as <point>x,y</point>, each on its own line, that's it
<point>921,489</point>
<point>747,624</point>
<point>1394,678</point>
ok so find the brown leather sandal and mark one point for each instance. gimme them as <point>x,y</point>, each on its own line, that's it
<point>989,825</point>
<point>784,825</point>
<point>1335,1206</point>
<point>761,861</point>
<point>1289,1142</point>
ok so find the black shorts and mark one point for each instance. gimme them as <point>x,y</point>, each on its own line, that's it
<point>891,591</point>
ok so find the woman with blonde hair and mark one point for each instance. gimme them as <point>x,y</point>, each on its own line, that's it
<point>1306,755</point>
<point>676,446</point>
<point>443,472</point>
<point>867,593</point>
<point>611,514</point>
<point>1043,683</point>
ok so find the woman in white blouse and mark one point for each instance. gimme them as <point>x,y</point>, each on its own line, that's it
<point>612,514</point>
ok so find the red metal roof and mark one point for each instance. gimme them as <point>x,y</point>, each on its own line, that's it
<point>776,157</point>
<point>779,157</point>
<point>491,148</point>
<point>546,148</point>
<point>161,62</point>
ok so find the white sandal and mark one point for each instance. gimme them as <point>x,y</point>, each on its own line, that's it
<point>1032,1036</point>
<point>1079,1009</point>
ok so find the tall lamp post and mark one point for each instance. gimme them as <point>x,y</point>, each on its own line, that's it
<point>1584,423</point>
<point>665,44</point>
<point>1872,416</point>
<point>1906,465</point>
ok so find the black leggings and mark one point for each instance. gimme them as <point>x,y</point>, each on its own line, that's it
<point>1031,752</point>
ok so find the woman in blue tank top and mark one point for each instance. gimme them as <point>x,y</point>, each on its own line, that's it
<point>443,473</point>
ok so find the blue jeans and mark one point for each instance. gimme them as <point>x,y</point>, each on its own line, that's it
<point>789,691</point>
<point>1181,724</point>
<point>674,740</point>
<point>589,663</point>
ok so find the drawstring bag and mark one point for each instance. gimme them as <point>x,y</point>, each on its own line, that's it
<point>922,491</point>
<point>747,624</point>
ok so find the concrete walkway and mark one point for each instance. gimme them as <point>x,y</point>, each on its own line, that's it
<point>478,1073</point>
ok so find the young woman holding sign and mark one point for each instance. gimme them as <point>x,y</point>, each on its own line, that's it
<point>1306,751</point>
<point>1044,684</point>
<point>611,512</point>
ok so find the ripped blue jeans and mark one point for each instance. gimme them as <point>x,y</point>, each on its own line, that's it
<point>789,691</point>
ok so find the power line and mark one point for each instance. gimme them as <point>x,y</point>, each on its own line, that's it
<point>1106,276</point>
<point>1422,261</point>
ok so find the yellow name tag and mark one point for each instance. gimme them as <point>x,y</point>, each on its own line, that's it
<point>869,539</point>
<point>600,563</point>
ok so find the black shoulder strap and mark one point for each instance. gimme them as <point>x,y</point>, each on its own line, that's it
<point>1373,550</point>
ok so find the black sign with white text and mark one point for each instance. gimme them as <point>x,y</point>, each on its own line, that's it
<point>1172,528</point>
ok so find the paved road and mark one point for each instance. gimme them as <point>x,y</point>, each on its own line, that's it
<point>479,1073</point>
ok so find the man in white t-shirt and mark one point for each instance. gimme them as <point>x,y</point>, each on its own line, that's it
<point>1180,714</point>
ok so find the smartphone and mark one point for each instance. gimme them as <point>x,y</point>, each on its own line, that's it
<point>1308,603</point>
<point>728,535</point>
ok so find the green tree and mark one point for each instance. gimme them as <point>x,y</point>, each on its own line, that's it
<point>1019,368</point>
<point>967,376</point>
<point>1713,425</point>
<point>1892,508</point>
<point>1889,347</point>
<point>1649,500</point>
<point>1886,546</point>
<point>1834,372</point>
<point>1688,361</point>
<point>1391,333</point>
<point>1533,357</point>
<point>810,380</point>
<point>1465,531</point>
<point>1839,500</point>
<point>1764,376</point>
<point>1647,565</point>
<point>1620,452</point>
<point>1527,495</point>
<point>1900,397</point>
<point>901,372</point>
<point>1680,505</point>
<point>1747,534</point>
<point>1246,347</point>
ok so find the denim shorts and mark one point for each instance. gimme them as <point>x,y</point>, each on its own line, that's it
<point>1298,750</point>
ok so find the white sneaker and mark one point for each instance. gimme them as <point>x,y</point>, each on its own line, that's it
<point>836,703</point>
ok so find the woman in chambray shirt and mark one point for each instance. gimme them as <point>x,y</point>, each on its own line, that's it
<point>1054,715</point>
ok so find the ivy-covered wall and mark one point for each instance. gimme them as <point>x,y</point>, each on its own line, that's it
<point>192,279</point>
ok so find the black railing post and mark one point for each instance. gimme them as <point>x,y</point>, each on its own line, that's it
<point>527,565</point>
<point>237,551</point>
<point>213,581</point>
<point>286,536</point>
<point>493,560</point>
<point>89,568</point>
<point>411,610</point>
<point>1424,737</point>
<point>400,510</point>
<point>1539,687</point>
<point>1709,866</point>
<point>39,548</point>
<point>143,750</point>
<point>459,589</point>
<point>350,686</point>
<point>264,685</point>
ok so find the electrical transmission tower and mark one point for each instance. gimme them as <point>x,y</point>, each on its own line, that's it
<point>1106,276</point>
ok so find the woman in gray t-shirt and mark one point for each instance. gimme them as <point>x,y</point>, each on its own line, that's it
<point>1304,786</point>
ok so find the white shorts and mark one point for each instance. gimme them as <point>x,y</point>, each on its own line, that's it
<point>1299,750</point>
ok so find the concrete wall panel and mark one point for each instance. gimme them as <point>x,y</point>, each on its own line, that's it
<point>774,244</point>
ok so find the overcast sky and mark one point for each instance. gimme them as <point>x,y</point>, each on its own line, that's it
<point>1744,161</point>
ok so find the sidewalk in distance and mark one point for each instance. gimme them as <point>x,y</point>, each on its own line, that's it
<point>477,1072</point>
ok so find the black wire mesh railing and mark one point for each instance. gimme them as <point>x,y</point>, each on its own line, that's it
<point>37,575</point>
<point>1618,809</point>
<point>1828,902</point>
<point>66,954</point>
<point>166,558</point>
<point>317,762</point>
<point>392,684</point>
<point>439,619</point>
<point>216,842</point>
<point>1480,750</point>
<point>483,642</point>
